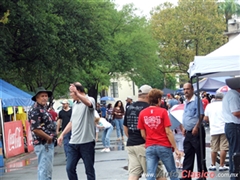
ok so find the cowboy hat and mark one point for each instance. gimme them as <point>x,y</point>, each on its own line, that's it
<point>40,90</point>
<point>233,83</point>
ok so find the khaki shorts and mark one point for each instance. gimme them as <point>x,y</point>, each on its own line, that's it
<point>219,143</point>
<point>137,165</point>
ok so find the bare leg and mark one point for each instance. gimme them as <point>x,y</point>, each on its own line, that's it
<point>214,158</point>
<point>132,177</point>
<point>222,157</point>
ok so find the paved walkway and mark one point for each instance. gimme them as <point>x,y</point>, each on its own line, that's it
<point>108,166</point>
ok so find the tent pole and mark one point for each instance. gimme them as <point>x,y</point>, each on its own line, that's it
<point>2,126</point>
<point>14,113</point>
<point>203,161</point>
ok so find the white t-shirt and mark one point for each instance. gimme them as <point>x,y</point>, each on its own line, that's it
<point>103,122</point>
<point>215,116</point>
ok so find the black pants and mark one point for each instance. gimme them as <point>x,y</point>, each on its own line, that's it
<point>191,147</point>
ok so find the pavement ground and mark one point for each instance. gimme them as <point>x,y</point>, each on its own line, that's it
<point>108,166</point>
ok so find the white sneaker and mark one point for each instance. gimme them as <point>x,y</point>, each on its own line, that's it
<point>107,150</point>
<point>103,150</point>
<point>223,168</point>
<point>212,168</point>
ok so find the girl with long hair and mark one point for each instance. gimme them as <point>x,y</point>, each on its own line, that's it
<point>118,112</point>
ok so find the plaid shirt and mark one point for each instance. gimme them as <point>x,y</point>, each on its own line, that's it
<point>40,118</point>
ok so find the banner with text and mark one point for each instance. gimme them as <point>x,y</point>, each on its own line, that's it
<point>13,138</point>
<point>29,137</point>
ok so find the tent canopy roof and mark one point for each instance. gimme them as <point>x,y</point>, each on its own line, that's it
<point>209,84</point>
<point>224,61</point>
<point>12,96</point>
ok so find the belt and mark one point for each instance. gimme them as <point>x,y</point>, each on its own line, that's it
<point>188,131</point>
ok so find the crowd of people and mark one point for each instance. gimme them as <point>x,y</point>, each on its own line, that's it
<point>151,143</point>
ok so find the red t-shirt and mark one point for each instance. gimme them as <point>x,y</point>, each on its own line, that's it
<point>154,120</point>
<point>54,114</point>
<point>205,103</point>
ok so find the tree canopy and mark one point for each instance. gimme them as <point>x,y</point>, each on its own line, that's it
<point>51,43</point>
<point>192,28</point>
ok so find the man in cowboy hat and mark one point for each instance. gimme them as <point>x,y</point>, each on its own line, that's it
<point>43,132</point>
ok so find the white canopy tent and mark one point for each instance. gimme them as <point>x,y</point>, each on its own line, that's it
<point>224,61</point>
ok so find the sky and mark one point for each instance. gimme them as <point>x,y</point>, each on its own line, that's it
<point>145,6</point>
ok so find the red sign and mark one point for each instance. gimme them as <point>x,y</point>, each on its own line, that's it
<point>13,138</point>
<point>29,137</point>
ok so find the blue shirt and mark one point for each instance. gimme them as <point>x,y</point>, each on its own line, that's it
<point>230,104</point>
<point>103,110</point>
<point>172,102</point>
<point>190,114</point>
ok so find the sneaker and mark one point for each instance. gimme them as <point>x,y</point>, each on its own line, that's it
<point>212,168</point>
<point>223,168</point>
<point>107,150</point>
<point>103,150</point>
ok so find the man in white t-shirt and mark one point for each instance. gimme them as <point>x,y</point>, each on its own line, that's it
<point>214,115</point>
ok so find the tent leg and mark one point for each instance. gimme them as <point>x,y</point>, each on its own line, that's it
<point>203,160</point>
<point>2,126</point>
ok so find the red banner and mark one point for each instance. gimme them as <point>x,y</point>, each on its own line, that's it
<point>29,137</point>
<point>13,138</point>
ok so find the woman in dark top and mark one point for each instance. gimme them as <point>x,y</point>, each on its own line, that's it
<point>118,112</point>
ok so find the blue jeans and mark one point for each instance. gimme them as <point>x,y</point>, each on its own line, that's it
<point>106,137</point>
<point>232,132</point>
<point>45,155</point>
<point>156,153</point>
<point>86,152</point>
<point>66,140</point>
<point>119,127</point>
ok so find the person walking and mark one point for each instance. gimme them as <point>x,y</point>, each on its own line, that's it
<point>43,130</point>
<point>214,116</point>
<point>191,129</point>
<point>64,117</point>
<point>155,124</point>
<point>231,114</point>
<point>82,126</point>
<point>135,142</point>
<point>118,112</point>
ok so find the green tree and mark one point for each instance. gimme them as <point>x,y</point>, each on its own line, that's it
<point>229,8</point>
<point>4,19</point>
<point>192,28</point>
<point>52,43</point>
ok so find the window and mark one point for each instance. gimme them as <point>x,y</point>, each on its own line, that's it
<point>114,89</point>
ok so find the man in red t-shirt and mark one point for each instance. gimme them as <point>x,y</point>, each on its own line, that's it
<point>155,124</point>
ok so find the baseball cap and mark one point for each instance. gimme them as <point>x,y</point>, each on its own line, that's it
<point>219,96</point>
<point>65,101</point>
<point>168,95</point>
<point>129,97</point>
<point>144,89</point>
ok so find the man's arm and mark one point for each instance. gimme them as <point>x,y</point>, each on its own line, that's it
<point>143,133</point>
<point>125,128</point>
<point>67,128</point>
<point>237,114</point>
<point>170,137</point>
<point>198,125</point>
<point>84,99</point>
<point>40,133</point>
<point>59,122</point>
<point>206,119</point>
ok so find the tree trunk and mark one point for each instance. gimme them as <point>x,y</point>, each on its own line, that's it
<point>93,91</point>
